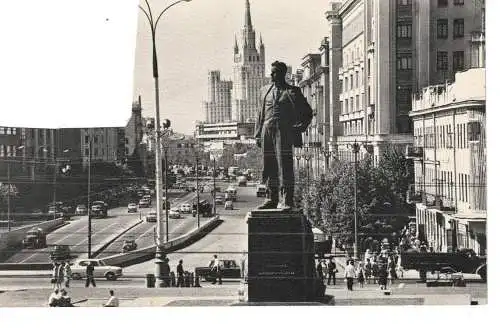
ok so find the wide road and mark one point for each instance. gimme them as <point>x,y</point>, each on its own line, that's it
<point>145,232</point>
<point>229,240</point>
<point>75,235</point>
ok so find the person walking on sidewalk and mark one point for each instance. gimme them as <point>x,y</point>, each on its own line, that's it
<point>368,270</point>
<point>180,274</point>
<point>350,274</point>
<point>319,269</point>
<point>67,274</point>
<point>332,271</point>
<point>361,275</point>
<point>90,275</point>
<point>113,300</point>
<point>216,270</point>
<point>55,278</point>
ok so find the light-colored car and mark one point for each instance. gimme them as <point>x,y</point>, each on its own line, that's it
<point>151,217</point>
<point>143,203</point>
<point>81,210</point>
<point>132,208</point>
<point>174,213</point>
<point>219,199</point>
<point>185,208</point>
<point>101,269</point>
<point>228,205</point>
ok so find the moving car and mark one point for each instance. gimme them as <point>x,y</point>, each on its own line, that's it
<point>228,205</point>
<point>261,191</point>
<point>151,217</point>
<point>242,181</point>
<point>35,238</point>
<point>185,208</point>
<point>143,203</point>
<point>99,209</point>
<point>129,244</point>
<point>60,253</point>
<point>81,210</point>
<point>101,269</point>
<point>229,270</point>
<point>174,213</point>
<point>219,200</point>
<point>205,208</point>
<point>132,208</point>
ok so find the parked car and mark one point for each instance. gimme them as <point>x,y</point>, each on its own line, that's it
<point>185,208</point>
<point>101,269</point>
<point>81,210</point>
<point>261,191</point>
<point>229,270</point>
<point>151,217</point>
<point>129,244</point>
<point>143,203</point>
<point>228,205</point>
<point>132,208</point>
<point>174,213</point>
<point>60,253</point>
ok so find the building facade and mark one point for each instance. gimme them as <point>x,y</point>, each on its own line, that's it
<point>218,107</point>
<point>230,132</point>
<point>449,153</point>
<point>248,72</point>
<point>107,145</point>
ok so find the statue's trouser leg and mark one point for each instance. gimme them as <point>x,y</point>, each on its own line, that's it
<point>271,167</point>
<point>284,155</point>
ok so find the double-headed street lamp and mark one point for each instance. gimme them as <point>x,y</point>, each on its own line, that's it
<point>355,149</point>
<point>160,253</point>
<point>307,155</point>
<point>327,153</point>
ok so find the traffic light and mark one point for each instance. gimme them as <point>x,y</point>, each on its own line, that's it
<point>167,124</point>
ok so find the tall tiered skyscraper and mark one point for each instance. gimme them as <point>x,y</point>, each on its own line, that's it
<point>218,106</point>
<point>248,72</point>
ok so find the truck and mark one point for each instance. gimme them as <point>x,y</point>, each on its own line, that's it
<point>35,238</point>
<point>465,261</point>
<point>204,207</point>
<point>99,209</point>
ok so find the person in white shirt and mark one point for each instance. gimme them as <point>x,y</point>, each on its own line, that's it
<point>54,298</point>
<point>113,300</point>
<point>350,274</point>
<point>216,269</point>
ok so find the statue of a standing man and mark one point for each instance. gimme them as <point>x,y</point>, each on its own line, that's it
<point>284,115</point>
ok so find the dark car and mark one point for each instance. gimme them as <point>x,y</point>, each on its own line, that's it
<point>35,238</point>
<point>129,244</point>
<point>229,270</point>
<point>60,253</point>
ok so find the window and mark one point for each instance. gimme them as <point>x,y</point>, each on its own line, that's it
<point>351,105</point>
<point>2,130</point>
<point>458,28</point>
<point>459,130</point>
<point>442,3</point>
<point>369,67</point>
<point>2,151</point>
<point>442,29</point>
<point>458,2</point>
<point>442,60</point>
<point>473,131</point>
<point>342,107</point>
<point>86,139</point>
<point>345,84</point>
<point>404,31</point>
<point>458,61</point>
<point>357,79</point>
<point>357,102</point>
<point>352,82</point>
<point>404,2</point>
<point>404,62</point>
<point>14,131</point>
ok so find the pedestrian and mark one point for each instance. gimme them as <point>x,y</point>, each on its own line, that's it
<point>113,300</point>
<point>55,271</point>
<point>67,274</point>
<point>361,275</point>
<point>65,300</point>
<point>54,298</point>
<point>60,275</point>
<point>375,271</point>
<point>382,276</point>
<point>180,274</point>
<point>216,270</point>
<point>167,272</point>
<point>368,270</point>
<point>319,269</point>
<point>90,275</point>
<point>284,115</point>
<point>350,274</point>
<point>332,271</point>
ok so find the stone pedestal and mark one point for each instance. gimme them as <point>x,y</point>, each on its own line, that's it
<point>281,265</point>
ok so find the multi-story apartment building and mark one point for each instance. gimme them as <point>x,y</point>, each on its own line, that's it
<point>218,107</point>
<point>248,73</point>
<point>231,132</point>
<point>313,79</point>
<point>389,49</point>
<point>449,153</point>
<point>107,144</point>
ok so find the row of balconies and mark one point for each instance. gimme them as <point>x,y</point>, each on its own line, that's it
<point>439,202</point>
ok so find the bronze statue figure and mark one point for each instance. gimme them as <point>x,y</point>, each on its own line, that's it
<point>284,115</point>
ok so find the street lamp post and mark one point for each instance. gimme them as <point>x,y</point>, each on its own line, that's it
<point>160,253</point>
<point>355,150</point>
<point>89,204</point>
<point>307,155</point>
<point>197,188</point>
<point>327,153</point>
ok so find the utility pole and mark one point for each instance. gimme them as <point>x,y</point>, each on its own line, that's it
<point>197,190</point>
<point>8,195</point>
<point>356,147</point>
<point>166,189</point>
<point>89,205</point>
<point>215,193</point>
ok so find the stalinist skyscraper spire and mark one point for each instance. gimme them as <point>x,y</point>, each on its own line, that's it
<point>248,72</point>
